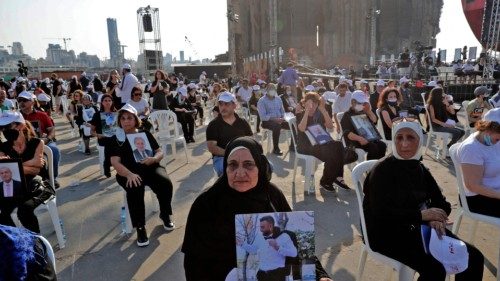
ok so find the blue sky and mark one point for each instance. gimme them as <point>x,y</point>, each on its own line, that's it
<point>203,21</point>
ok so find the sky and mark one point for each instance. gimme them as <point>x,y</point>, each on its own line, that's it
<point>204,22</point>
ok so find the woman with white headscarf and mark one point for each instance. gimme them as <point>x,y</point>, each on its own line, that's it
<point>400,196</point>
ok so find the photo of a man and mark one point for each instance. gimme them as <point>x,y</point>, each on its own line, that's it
<point>272,248</point>
<point>10,187</point>
<point>141,151</point>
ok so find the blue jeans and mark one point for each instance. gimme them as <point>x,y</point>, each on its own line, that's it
<point>218,165</point>
<point>57,156</point>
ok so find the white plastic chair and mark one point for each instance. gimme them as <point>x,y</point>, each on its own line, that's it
<point>361,153</point>
<point>405,273</point>
<point>463,210</point>
<point>167,132</point>
<point>50,251</point>
<point>442,138</point>
<point>51,204</point>
<point>128,221</point>
<point>65,106</point>
<point>380,128</point>
<point>310,161</point>
<point>467,128</point>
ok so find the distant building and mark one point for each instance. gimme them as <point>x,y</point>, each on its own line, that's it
<point>17,49</point>
<point>115,53</point>
<point>56,55</point>
<point>181,55</point>
<point>87,60</point>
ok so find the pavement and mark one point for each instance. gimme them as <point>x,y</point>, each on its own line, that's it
<point>89,205</point>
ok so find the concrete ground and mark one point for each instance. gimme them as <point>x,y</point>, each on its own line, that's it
<point>95,249</point>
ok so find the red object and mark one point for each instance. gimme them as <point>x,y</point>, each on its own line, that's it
<point>474,11</point>
<point>419,84</point>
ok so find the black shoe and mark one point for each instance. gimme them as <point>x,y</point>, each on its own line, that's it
<point>142,237</point>
<point>168,225</point>
<point>341,183</point>
<point>277,152</point>
<point>57,185</point>
<point>328,187</point>
<point>87,151</point>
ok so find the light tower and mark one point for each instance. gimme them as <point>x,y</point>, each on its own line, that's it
<point>148,23</point>
<point>491,36</point>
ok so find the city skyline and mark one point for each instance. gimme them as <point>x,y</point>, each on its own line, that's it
<point>205,25</point>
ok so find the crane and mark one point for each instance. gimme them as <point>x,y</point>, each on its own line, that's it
<point>61,38</point>
<point>191,45</point>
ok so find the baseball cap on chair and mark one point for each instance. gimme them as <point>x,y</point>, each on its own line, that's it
<point>450,252</point>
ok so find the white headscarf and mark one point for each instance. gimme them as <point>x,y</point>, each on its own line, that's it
<point>414,126</point>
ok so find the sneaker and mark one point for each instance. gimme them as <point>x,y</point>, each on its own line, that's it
<point>341,183</point>
<point>87,151</point>
<point>328,187</point>
<point>57,185</point>
<point>142,237</point>
<point>277,152</point>
<point>169,225</point>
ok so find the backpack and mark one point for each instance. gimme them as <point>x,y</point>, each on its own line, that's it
<point>293,264</point>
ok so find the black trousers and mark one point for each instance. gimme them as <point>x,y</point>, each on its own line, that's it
<point>484,205</point>
<point>275,127</point>
<point>200,111</point>
<point>278,274</point>
<point>332,154</point>
<point>375,149</point>
<point>187,123</point>
<point>156,178</point>
<point>25,213</point>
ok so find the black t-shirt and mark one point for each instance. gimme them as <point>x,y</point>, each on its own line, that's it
<point>55,85</point>
<point>303,143</point>
<point>124,151</point>
<point>104,121</point>
<point>221,132</point>
<point>28,153</point>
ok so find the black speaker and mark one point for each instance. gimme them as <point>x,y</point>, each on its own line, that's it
<point>146,22</point>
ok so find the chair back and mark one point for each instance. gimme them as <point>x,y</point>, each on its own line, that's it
<point>164,123</point>
<point>427,113</point>
<point>340,115</point>
<point>467,126</point>
<point>459,176</point>
<point>358,175</point>
<point>50,251</point>
<point>14,102</point>
<point>423,98</point>
<point>50,164</point>
<point>292,123</point>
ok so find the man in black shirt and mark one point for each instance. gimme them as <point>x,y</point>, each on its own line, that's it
<point>227,126</point>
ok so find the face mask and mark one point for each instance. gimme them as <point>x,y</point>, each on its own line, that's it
<point>271,93</point>
<point>392,102</point>
<point>359,107</point>
<point>487,140</point>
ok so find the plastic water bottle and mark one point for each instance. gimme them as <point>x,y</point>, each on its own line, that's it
<point>123,218</point>
<point>62,229</point>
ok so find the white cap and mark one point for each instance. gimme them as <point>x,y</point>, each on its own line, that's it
<point>380,82</point>
<point>260,81</point>
<point>43,97</point>
<point>493,115</point>
<point>403,80</point>
<point>226,97</point>
<point>359,96</point>
<point>182,91</point>
<point>126,66</point>
<point>255,87</point>
<point>20,79</point>
<point>129,108</point>
<point>9,117</point>
<point>309,88</point>
<point>26,95</point>
<point>450,252</point>
<point>432,84</point>
<point>363,81</point>
<point>349,81</point>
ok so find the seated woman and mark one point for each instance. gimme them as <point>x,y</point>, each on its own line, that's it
<point>243,188</point>
<point>480,160</point>
<point>331,152</point>
<point>184,112</point>
<point>141,105</point>
<point>361,105</point>
<point>195,100</point>
<point>22,143</point>
<point>133,176</point>
<point>438,111</point>
<point>388,104</point>
<point>103,126</point>
<point>82,120</point>
<point>400,195</point>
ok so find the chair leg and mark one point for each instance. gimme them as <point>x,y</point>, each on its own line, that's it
<point>361,264</point>
<point>429,136</point>
<point>458,221</point>
<point>174,149</point>
<point>54,215</point>
<point>295,168</point>
<point>406,273</point>
<point>185,151</point>
<point>472,233</point>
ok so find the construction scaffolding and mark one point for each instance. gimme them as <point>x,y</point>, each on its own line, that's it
<point>490,33</point>
<point>148,23</point>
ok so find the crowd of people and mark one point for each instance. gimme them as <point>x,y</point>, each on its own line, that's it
<point>117,113</point>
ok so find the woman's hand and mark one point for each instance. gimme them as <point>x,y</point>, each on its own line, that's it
<point>434,214</point>
<point>440,227</point>
<point>133,180</point>
<point>148,161</point>
<point>362,141</point>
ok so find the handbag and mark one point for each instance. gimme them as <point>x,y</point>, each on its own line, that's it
<point>41,190</point>
<point>350,154</point>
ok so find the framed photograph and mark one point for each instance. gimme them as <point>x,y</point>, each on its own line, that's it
<point>12,182</point>
<point>317,135</point>
<point>88,113</point>
<point>141,148</point>
<point>259,237</point>
<point>364,127</point>
<point>108,123</point>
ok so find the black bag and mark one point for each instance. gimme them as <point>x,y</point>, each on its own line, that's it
<point>350,155</point>
<point>40,189</point>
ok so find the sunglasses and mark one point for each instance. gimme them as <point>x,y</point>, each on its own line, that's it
<point>137,94</point>
<point>22,100</point>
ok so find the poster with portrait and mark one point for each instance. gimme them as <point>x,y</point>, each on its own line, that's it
<point>364,127</point>
<point>12,182</point>
<point>88,113</point>
<point>141,148</point>
<point>279,243</point>
<point>108,123</point>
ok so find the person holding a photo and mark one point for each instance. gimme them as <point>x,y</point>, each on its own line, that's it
<point>103,126</point>
<point>133,176</point>
<point>209,245</point>
<point>21,142</point>
<point>361,105</point>
<point>82,119</point>
<point>331,152</point>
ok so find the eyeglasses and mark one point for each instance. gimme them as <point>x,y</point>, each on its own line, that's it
<point>137,94</point>
<point>403,119</point>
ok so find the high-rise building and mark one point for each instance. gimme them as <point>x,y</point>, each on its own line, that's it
<point>17,49</point>
<point>115,53</point>
<point>181,55</point>
<point>58,56</point>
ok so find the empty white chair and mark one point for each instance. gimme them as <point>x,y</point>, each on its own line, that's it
<point>463,208</point>
<point>65,106</point>
<point>310,161</point>
<point>166,131</point>
<point>405,273</point>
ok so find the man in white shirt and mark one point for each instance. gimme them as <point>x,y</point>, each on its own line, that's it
<point>244,93</point>
<point>272,248</point>
<point>342,103</point>
<point>124,90</point>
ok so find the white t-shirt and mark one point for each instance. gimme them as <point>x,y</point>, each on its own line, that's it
<point>342,104</point>
<point>140,106</point>
<point>245,94</point>
<point>471,151</point>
